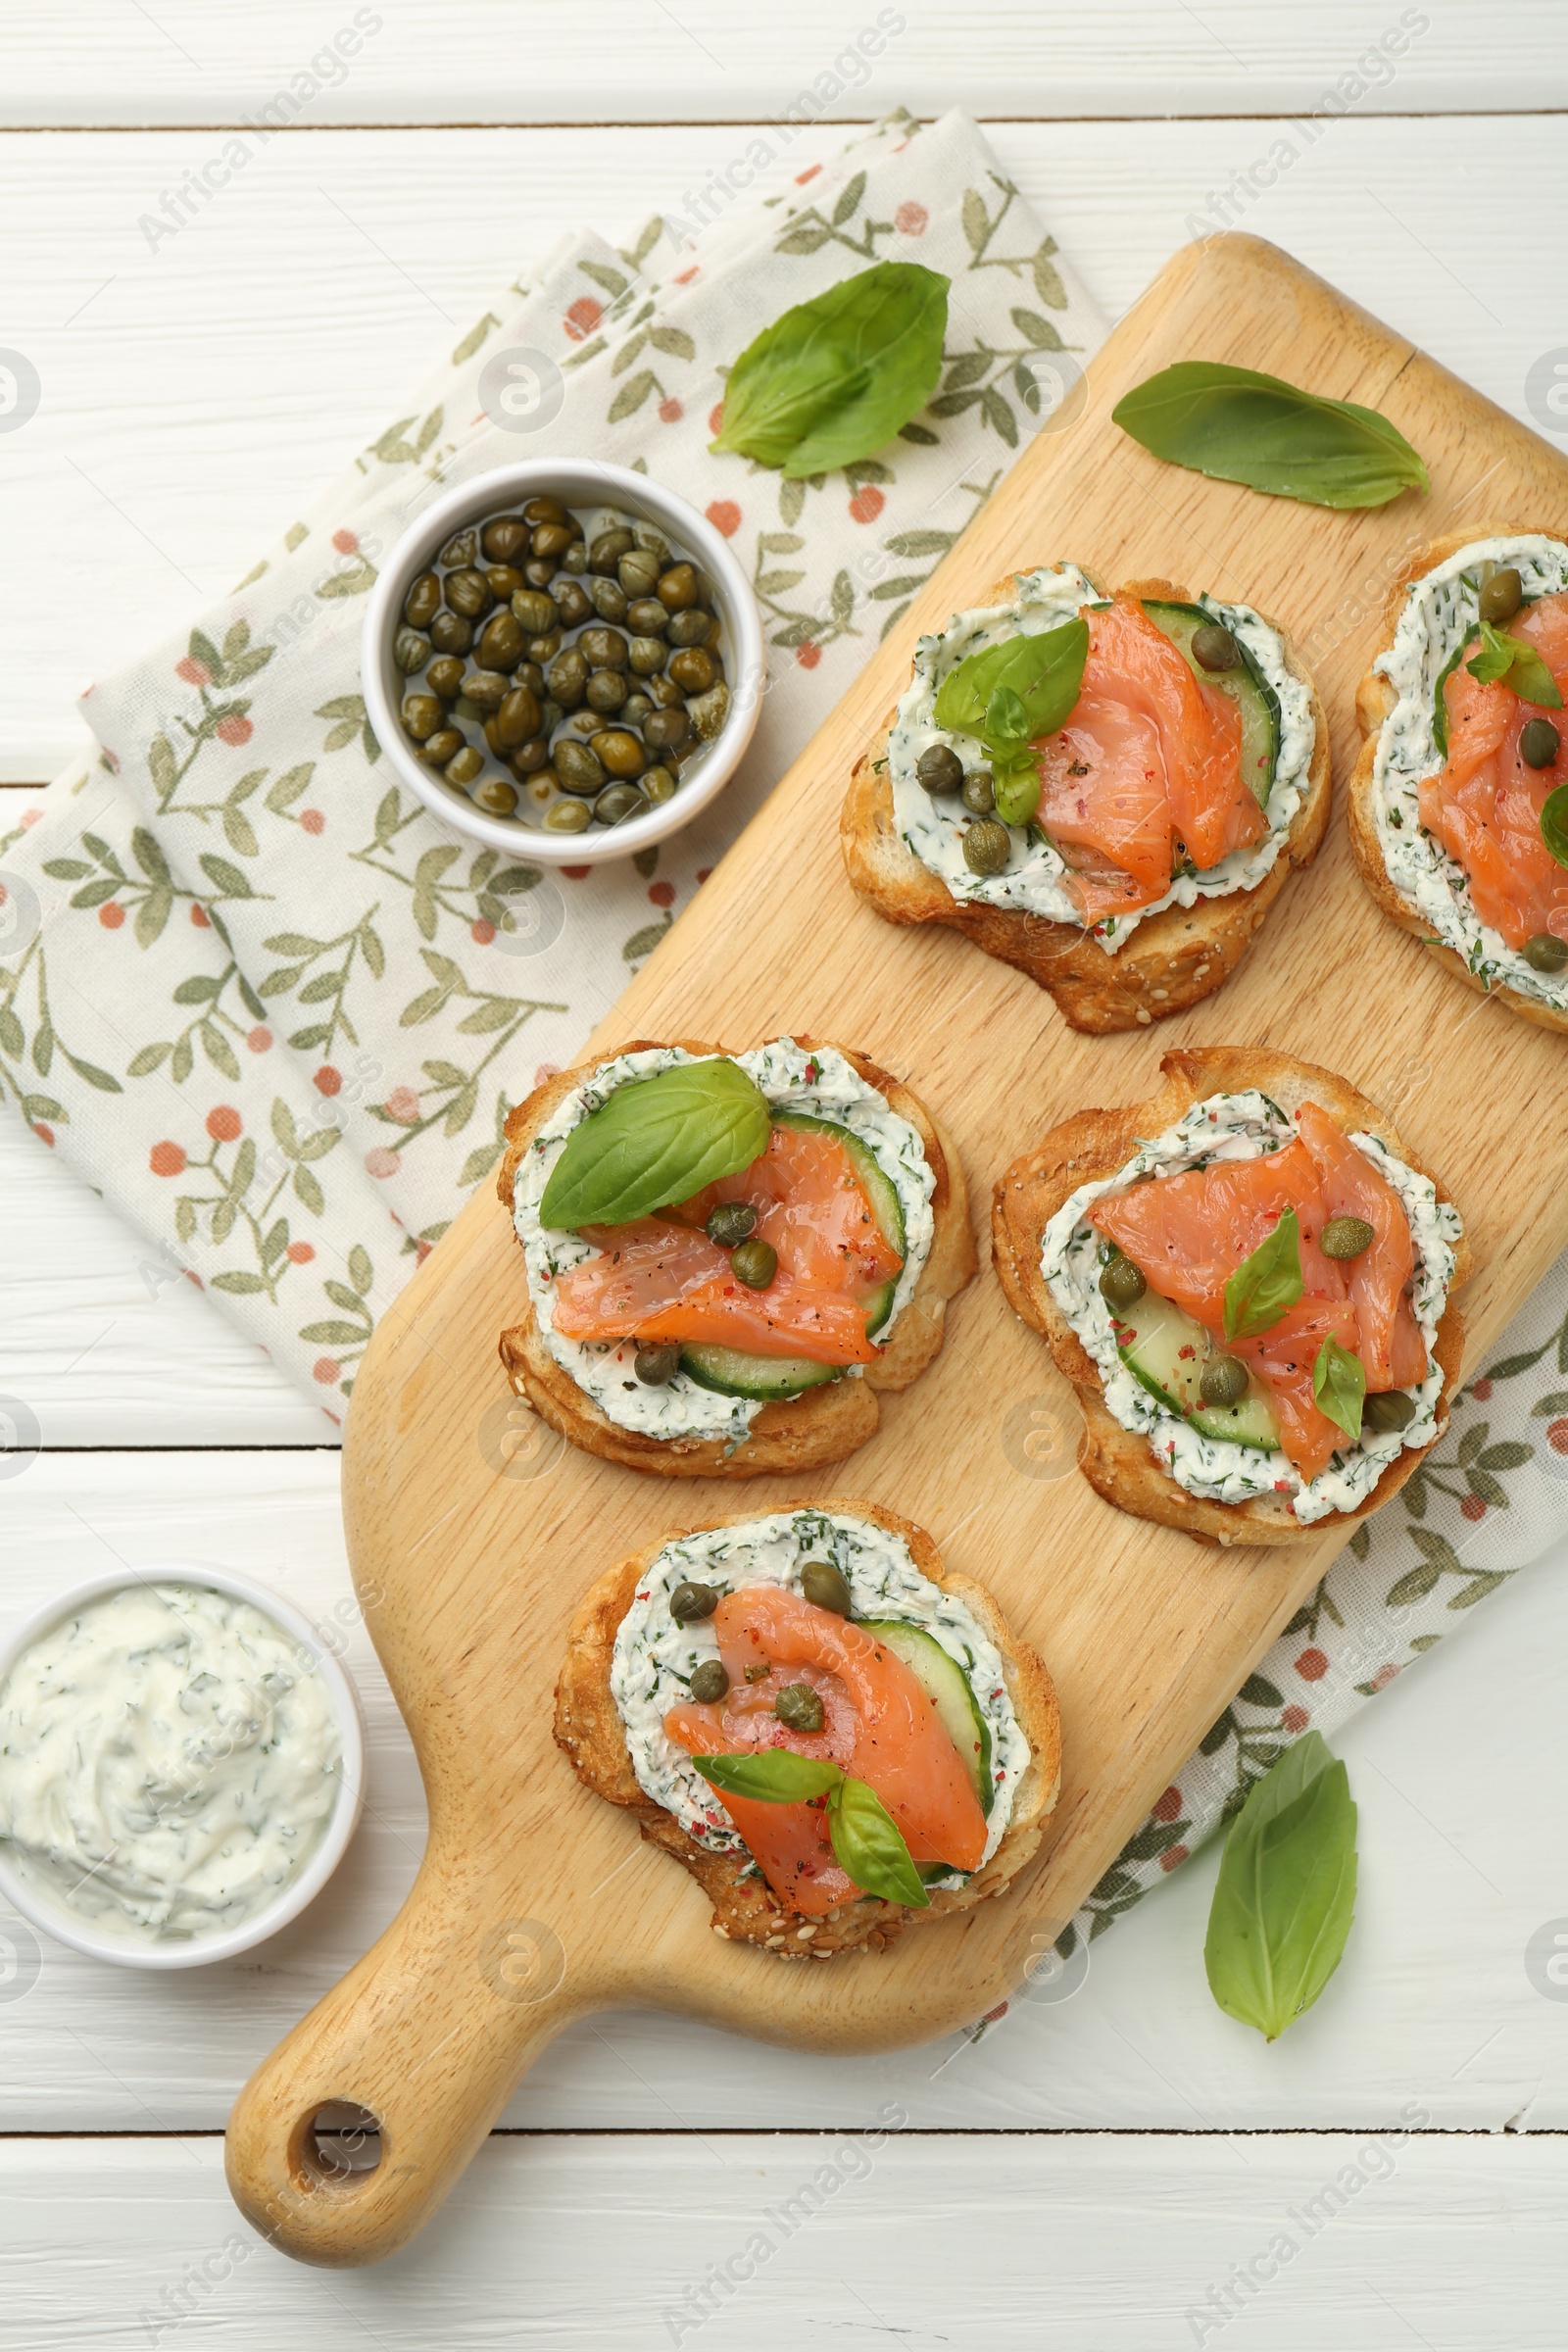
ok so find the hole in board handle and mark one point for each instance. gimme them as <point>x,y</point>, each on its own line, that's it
<point>339,2145</point>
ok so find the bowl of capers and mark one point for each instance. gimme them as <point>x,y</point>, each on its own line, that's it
<point>564,656</point>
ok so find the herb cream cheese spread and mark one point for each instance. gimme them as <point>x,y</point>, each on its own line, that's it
<point>1229,1127</point>
<point>1440,611</point>
<point>816,1080</point>
<point>169,1761</point>
<point>1034,879</point>
<point>655,1658</point>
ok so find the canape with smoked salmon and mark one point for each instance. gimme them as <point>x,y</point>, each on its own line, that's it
<point>835,1734</point>
<point>726,1258</point>
<point>1249,1279</point>
<point>1107,791</point>
<point>1459,801</point>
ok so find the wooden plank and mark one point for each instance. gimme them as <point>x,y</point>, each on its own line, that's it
<point>193,61</point>
<point>469,1579</point>
<point>1459,1869</point>
<point>271,326</point>
<point>1079,2243</point>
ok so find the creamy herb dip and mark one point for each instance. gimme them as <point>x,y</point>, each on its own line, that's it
<point>816,1080</point>
<point>1034,879</point>
<point>1244,1126</point>
<point>170,1760</point>
<point>655,1658</point>
<point>1440,611</point>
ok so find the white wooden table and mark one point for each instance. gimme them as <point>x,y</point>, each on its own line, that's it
<point>1088,2171</point>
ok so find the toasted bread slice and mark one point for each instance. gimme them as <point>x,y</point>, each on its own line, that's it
<point>1171,960</point>
<point>588,1726</point>
<point>802,1432</point>
<point>1118,1462</point>
<point>1375,699</point>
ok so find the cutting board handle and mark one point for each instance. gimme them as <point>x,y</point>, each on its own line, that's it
<point>430,2033</point>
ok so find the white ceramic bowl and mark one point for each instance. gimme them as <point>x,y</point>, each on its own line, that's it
<point>576,482</point>
<point>195,1952</point>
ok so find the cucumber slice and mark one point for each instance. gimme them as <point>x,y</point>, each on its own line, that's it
<point>733,1373</point>
<point>879,1190</point>
<point>1165,1351</point>
<point>945,1686</point>
<point>1247,687</point>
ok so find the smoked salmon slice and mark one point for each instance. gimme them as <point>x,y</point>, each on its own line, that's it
<point>661,1278</point>
<point>1150,758</point>
<point>1484,804</point>
<point>878,1725</point>
<point>1189,1233</point>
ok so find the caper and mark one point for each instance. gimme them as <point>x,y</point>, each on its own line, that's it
<point>665,730</point>
<point>534,611</point>
<point>655,1367</point>
<point>504,539</point>
<point>978,791</point>
<point>540,571</point>
<point>468,593</point>
<point>608,598</point>
<point>568,816</point>
<point>486,689</point>
<point>635,709</point>
<point>575,559</point>
<point>1122,1284</point>
<point>709,711</point>
<point>618,750</point>
<point>422,601</point>
<point>571,604</point>
<point>1539,742</point>
<point>1223,1379</point>
<point>422,716</point>
<point>545,648</point>
<point>1214,648</point>
<point>465,709</point>
<point>1390,1409</point>
<point>603,648</point>
<point>445,744</point>
<point>504,581</point>
<point>677,589</point>
<point>605,690</point>
<point>693,669</point>
<point>1501,598</point>
<point>658,786</point>
<point>465,765</point>
<point>1544,953</point>
<point>798,1708</point>
<point>578,767</point>
<point>987,847</point>
<point>494,795</point>
<point>690,1602</point>
<point>501,641</point>
<point>552,540</point>
<point>567,677</point>
<point>551,713</point>
<point>445,678</point>
<point>617,803</point>
<point>637,571</point>
<point>410,652</point>
<point>647,616</point>
<point>758,1672</point>
<point>691,627</point>
<point>647,654</point>
<point>604,552</point>
<point>450,633</point>
<point>530,756</point>
<point>545,509</point>
<point>731,1223</point>
<point>1346,1236</point>
<point>708,1683</point>
<point>663,691</point>
<point>516,719</point>
<point>755,1263</point>
<point>939,769</point>
<point>459,549</point>
<point>822,1585</point>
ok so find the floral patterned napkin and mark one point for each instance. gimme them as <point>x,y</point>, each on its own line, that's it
<point>277,1014</point>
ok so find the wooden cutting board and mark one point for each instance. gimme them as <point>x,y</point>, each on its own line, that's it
<point>473,1531</point>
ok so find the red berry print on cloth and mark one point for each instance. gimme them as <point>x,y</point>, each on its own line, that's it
<point>482,933</point>
<point>223,1124</point>
<point>259,1040</point>
<point>1168,1806</point>
<point>1481,1391</point>
<point>715,419</point>
<point>583,319</point>
<point>300,1254</point>
<point>201,920</point>
<point>911,219</point>
<point>111,916</point>
<point>867,504</point>
<point>1294,1720</point>
<point>194,672</point>
<point>234,729</point>
<point>670,410</point>
<point>808,655</point>
<point>328,1080</point>
<point>381,1162</point>
<point>167,1159</point>
<point>45,1134</point>
<point>724,516</point>
<point>346,543</point>
<point>328,1370</point>
<point>312,821</point>
<point>1557,1436</point>
<point>661,894</point>
<point>1473,1507</point>
<point>1173,1857</point>
<point>402,1105</point>
<point>1311,1665</point>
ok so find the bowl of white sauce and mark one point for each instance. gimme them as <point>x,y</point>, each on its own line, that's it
<point>182,1765</point>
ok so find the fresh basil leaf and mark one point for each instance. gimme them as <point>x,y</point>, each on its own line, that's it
<point>656,1140</point>
<point>1265,1284</point>
<point>1339,1386</point>
<point>1007,721</point>
<point>1043,671</point>
<point>773,1776</point>
<point>1554,823</point>
<point>1237,425</point>
<point>1518,663</point>
<point>835,377</point>
<point>868,1843</point>
<point>1015,787</point>
<point>1285,1892</point>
